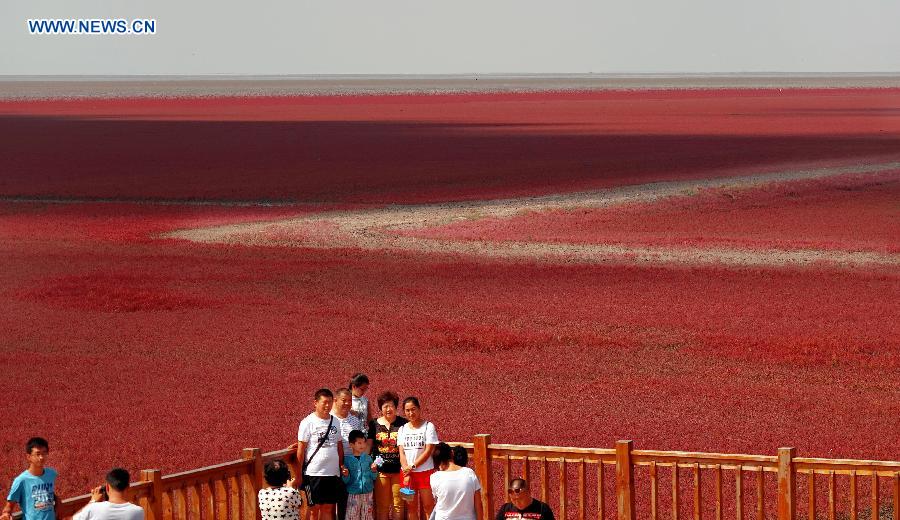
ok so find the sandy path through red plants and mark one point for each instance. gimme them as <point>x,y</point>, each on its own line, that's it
<point>497,229</point>
<point>842,213</point>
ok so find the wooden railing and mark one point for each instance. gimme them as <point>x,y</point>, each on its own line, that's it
<point>220,492</point>
<point>626,484</point>
<point>582,483</point>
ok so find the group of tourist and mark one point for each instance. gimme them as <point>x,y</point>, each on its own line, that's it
<point>350,465</point>
<point>347,465</point>
<point>34,491</point>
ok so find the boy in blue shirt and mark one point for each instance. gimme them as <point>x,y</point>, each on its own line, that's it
<point>34,489</point>
<point>361,478</point>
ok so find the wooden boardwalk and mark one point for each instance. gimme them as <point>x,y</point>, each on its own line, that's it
<point>620,483</point>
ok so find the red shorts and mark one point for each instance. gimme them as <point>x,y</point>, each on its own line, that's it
<point>420,479</point>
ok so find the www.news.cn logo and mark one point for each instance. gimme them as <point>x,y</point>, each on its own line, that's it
<point>92,26</point>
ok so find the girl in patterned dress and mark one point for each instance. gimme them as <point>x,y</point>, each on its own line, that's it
<point>279,500</point>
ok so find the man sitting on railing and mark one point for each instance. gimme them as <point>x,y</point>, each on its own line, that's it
<point>521,505</point>
<point>108,500</point>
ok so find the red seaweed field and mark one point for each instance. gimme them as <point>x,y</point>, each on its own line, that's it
<point>395,149</point>
<point>126,343</point>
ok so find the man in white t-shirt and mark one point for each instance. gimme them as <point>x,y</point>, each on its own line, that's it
<point>321,451</point>
<point>115,507</point>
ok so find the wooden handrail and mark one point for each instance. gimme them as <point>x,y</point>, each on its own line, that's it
<point>173,480</point>
<point>713,457</point>
<point>882,468</point>
<point>554,450</point>
<point>269,455</point>
<point>227,491</point>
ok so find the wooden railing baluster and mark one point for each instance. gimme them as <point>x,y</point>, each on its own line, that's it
<point>897,495</point>
<point>718,474</point>
<point>193,496</point>
<point>209,503</point>
<point>545,491</point>
<point>180,508</point>
<point>760,494</point>
<point>874,505</point>
<point>249,509</point>
<point>581,491</point>
<point>234,497</point>
<point>563,480</point>
<point>168,509</point>
<point>811,486</point>
<point>506,472</point>
<point>220,497</point>
<point>675,487</point>
<point>601,504</point>
<point>831,499</point>
<point>698,497</point>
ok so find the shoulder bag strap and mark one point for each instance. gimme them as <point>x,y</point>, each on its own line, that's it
<point>321,443</point>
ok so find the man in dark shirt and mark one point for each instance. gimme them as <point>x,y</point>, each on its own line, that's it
<point>522,506</point>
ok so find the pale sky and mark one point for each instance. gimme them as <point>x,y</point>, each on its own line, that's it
<point>273,37</point>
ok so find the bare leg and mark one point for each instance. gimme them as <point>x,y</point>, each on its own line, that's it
<point>323,512</point>
<point>412,508</point>
<point>427,502</point>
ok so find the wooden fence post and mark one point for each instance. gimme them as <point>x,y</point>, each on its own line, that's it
<point>483,470</point>
<point>256,478</point>
<point>154,477</point>
<point>624,480</point>
<point>255,454</point>
<point>787,485</point>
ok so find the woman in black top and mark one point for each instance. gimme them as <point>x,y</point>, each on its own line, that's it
<point>383,432</point>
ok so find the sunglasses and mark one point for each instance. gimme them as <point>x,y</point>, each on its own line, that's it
<point>516,490</point>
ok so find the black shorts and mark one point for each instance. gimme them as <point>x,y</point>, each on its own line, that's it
<point>323,490</point>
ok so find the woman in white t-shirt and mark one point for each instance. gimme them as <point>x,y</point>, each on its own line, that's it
<point>456,490</point>
<point>416,440</point>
